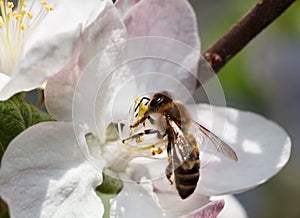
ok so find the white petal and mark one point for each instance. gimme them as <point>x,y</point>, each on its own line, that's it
<point>134,201</point>
<point>42,61</point>
<point>44,173</point>
<point>60,88</point>
<point>65,17</point>
<point>233,207</point>
<point>4,79</point>
<point>262,147</point>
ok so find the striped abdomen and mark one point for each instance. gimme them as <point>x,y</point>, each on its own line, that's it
<point>187,173</point>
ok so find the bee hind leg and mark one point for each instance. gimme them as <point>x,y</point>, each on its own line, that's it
<point>169,170</point>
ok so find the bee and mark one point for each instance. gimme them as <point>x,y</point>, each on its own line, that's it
<point>182,132</point>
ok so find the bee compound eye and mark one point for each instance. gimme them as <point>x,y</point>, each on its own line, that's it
<point>156,102</point>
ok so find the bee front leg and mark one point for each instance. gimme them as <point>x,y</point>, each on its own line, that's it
<point>145,132</point>
<point>142,120</point>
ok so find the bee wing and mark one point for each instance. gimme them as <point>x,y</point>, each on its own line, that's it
<point>217,145</point>
<point>181,148</point>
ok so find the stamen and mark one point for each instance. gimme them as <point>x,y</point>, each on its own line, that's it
<point>18,16</point>
<point>1,21</point>
<point>16,26</point>
<point>29,15</point>
<point>137,99</point>
<point>10,6</point>
<point>155,150</point>
<point>49,8</point>
<point>139,140</point>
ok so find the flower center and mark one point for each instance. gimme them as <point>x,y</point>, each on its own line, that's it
<point>144,137</point>
<point>125,143</point>
<point>16,25</point>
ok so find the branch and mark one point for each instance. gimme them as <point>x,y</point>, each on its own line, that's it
<point>263,14</point>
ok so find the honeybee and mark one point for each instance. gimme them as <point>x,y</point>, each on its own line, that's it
<point>175,124</point>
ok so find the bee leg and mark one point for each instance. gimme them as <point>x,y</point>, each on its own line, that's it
<point>152,121</point>
<point>143,98</point>
<point>169,146</point>
<point>142,120</point>
<point>145,132</point>
<point>169,170</point>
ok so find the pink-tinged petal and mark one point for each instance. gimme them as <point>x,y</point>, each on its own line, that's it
<point>72,13</point>
<point>262,147</point>
<point>60,90</point>
<point>173,19</point>
<point>105,30</point>
<point>233,207</point>
<point>173,206</point>
<point>44,173</point>
<point>166,194</point>
<point>169,23</point>
<point>124,5</point>
<point>128,71</point>
<point>134,202</point>
<point>42,61</point>
<point>210,210</point>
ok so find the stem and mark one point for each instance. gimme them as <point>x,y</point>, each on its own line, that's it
<point>263,14</point>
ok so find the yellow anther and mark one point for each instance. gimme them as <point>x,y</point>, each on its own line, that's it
<point>23,12</point>
<point>159,150</point>
<point>23,27</point>
<point>29,15</point>
<point>137,99</point>
<point>14,13</point>
<point>44,2</point>
<point>139,140</point>
<point>49,8</point>
<point>153,151</point>
<point>10,5</point>
<point>143,108</point>
<point>19,16</point>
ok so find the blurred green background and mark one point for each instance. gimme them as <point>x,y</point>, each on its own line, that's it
<point>265,78</point>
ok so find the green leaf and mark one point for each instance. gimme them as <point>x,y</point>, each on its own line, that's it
<point>3,209</point>
<point>15,116</point>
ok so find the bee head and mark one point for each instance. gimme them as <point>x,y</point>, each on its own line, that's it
<point>158,100</point>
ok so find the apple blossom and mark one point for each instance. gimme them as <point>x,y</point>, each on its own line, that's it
<point>54,169</point>
<point>31,39</point>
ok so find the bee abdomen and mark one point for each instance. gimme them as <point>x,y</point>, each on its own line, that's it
<point>186,179</point>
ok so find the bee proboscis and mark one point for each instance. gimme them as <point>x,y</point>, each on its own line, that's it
<point>182,148</point>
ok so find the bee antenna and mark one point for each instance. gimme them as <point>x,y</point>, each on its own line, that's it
<point>143,98</point>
